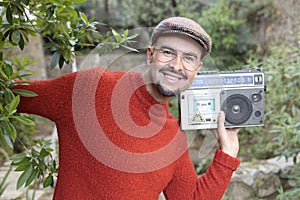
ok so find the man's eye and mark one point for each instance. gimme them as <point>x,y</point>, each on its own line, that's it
<point>189,58</point>
<point>168,52</point>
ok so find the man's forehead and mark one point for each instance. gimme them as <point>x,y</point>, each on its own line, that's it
<point>179,42</point>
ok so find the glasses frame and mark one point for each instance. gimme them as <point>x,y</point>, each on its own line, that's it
<point>188,66</point>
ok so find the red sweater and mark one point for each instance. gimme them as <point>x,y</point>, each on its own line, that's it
<point>117,142</point>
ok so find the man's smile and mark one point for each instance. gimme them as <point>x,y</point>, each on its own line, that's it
<point>172,76</point>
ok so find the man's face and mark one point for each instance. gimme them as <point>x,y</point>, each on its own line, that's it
<point>174,62</point>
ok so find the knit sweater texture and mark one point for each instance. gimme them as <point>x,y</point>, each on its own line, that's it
<point>117,143</point>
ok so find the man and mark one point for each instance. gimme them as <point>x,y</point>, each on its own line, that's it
<point>116,137</point>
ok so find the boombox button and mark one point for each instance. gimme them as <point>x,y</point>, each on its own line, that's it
<point>257,113</point>
<point>256,97</point>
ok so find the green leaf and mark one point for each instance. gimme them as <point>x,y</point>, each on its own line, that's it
<point>4,75</point>
<point>21,83</point>
<point>5,141</point>
<point>15,36</point>
<point>114,32</point>
<point>84,18</point>
<point>72,12</point>
<point>8,70</point>
<point>14,104</point>
<point>10,130</point>
<point>61,62</point>
<point>21,161</point>
<point>3,183</point>
<point>25,93</point>
<point>78,1</point>
<point>24,120</point>
<point>129,48</point>
<point>43,154</point>
<point>1,108</point>
<point>22,166</point>
<point>56,2</point>
<point>21,43</point>
<point>2,43</point>
<point>24,35</point>
<point>48,181</point>
<point>125,34</point>
<point>24,177</point>
<point>31,177</point>
<point>55,59</point>
<point>9,16</point>
<point>16,158</point>
<point>8,95</point>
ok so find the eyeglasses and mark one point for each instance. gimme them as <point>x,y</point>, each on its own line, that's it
<point>166,55</point>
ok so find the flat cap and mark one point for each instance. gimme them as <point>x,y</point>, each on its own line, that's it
<point>183,26</point>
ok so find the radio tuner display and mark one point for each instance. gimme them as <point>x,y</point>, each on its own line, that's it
<point>225,80</point>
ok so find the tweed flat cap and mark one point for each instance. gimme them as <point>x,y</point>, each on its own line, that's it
<point>183,26</point>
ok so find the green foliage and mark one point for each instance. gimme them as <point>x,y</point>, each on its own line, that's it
<point>283,76</point>
<point>294,191</point>
<point>9,100</point>
<point>3,183</point>
<point>35,164</point>
<point>282,107</point>
<point>148,13</point>
<point>66,31</point>
<point>280,135</point>
<point>231,36</point>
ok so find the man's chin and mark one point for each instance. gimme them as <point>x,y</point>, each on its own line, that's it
<point>165,92</point>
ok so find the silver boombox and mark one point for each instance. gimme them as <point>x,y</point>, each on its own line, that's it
<point>240,94</point>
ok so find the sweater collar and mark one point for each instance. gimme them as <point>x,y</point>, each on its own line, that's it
<point>142,94</point>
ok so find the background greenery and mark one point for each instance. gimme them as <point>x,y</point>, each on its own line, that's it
<point>68,27</point>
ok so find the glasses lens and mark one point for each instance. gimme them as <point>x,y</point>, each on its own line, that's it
<point>166,55</point>
<point>190,66</point>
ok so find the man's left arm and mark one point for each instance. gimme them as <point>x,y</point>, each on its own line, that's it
<point>214,182</point>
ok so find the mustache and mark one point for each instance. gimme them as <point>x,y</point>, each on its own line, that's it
<point>168,69</point>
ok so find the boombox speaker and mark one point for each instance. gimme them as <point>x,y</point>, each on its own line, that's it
<point>240,94</point>
<point>243,107</point>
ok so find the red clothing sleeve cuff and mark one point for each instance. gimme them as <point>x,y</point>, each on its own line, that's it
<point>226,160</point>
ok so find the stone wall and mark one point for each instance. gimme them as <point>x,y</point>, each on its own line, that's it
<point>261,179</point>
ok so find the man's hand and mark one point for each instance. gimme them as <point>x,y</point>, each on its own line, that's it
<point>227,138</point>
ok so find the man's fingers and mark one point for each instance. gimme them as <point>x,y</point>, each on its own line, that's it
<point>221,120</point>
<point>236,130</point>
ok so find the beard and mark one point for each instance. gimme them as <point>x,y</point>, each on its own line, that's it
<point>163,89</point>
<point>165,92</point>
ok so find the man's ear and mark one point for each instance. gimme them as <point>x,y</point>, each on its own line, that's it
<point>149,55</point>
<point>200,66</point>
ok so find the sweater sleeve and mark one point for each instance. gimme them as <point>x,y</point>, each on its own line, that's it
<point>53,96</point>
<point>210,186</point>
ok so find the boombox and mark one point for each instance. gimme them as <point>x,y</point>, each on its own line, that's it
<point>240,94</point>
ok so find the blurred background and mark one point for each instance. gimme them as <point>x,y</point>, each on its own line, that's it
<point>55,37</point>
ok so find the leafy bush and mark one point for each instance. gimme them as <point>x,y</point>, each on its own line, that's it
<point>282,100</point>
<point>232,38</point>
<point>280,135</point>
<point>148,13</point>
<point>68,31</point>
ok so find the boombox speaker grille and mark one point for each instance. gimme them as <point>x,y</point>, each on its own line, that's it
<point>237,108</point>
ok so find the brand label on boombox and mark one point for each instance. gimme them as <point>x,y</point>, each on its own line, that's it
<point>240,94</point>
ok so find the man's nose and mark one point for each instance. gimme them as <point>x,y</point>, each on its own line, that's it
<point>177,63</point>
